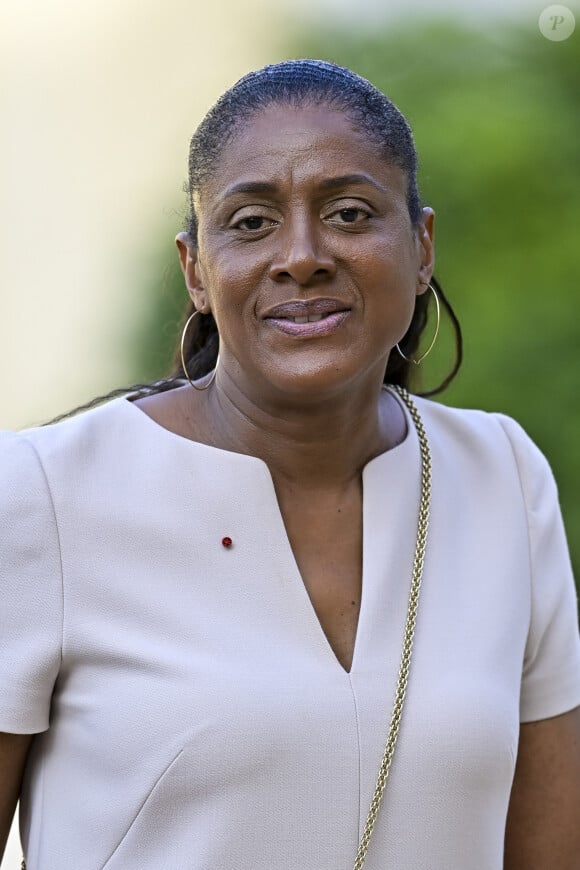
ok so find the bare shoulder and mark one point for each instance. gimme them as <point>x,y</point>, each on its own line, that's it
<point>175,410</point>
<point>543,826</point>
<point>161,407</point>
<point>393,419</point>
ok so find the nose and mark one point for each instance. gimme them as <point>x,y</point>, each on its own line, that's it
<point>301,255</point>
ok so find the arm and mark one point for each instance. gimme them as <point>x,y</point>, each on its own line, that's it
<point>543,823</point>
<point>31,612</point>
<point>13,752</point>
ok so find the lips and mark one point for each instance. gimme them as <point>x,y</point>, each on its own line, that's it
<point>307,318</point>
<point>305,310</point>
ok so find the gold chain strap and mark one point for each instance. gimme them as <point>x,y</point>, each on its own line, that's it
<point>400,692</point>
<point>418,562</point>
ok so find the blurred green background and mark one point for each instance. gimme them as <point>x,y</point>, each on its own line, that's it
<point>496,117</point>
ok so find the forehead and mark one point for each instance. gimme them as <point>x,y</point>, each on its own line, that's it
<point>299,145</point>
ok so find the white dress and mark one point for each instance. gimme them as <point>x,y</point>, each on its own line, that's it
<point>191,713</point>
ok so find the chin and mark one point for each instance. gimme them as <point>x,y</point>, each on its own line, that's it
<point>312,384</point>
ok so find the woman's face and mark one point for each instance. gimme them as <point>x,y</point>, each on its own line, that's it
<point>303,219</point>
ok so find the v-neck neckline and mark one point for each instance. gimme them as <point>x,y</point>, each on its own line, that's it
<point>409,443</point>
<point>391,456</point>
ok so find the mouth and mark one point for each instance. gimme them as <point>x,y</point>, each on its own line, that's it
<point>305,310</point>
<point>309,325</point>
<point>309,318</point>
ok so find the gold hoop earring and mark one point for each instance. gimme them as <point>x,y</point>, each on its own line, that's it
<point>418,362</point>
<point>184,367</point>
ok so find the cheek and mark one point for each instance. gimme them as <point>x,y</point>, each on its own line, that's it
<point>386,277</point>
<point>385,268</point>
<point>232,297</point>
<point>229,282</point>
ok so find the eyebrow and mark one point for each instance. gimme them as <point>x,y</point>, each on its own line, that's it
<point>327,184</point>
<point>346,180</point>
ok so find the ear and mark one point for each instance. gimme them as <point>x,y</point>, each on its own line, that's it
<point>188,258</point>
<point>426,248</point>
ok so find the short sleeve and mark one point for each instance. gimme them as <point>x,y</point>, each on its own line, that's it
<point>551,671</point>
<point>30,589</point>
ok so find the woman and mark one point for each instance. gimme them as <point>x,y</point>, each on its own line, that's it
<point>209,586</point>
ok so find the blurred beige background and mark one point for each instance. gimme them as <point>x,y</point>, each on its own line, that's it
<point>98,102</point>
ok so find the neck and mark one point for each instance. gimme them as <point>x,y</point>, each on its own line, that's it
<point>322,446</point>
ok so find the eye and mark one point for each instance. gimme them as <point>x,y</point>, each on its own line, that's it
<point>254,223</point>
<point>349,215</point>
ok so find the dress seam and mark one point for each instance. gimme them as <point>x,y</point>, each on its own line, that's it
<point>524,496</point>
<point>58,539</point>
<point>358,736</point>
